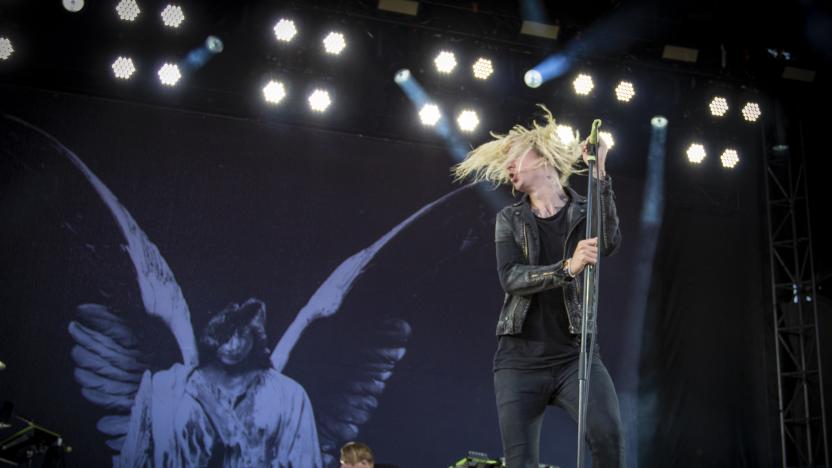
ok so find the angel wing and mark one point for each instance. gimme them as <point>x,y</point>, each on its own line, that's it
<point>161,295</point>
<point>358,376</point>
<point>331,293</point>
<point>108,353</point>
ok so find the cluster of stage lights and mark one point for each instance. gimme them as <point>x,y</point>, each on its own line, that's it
<point>274,92</point>
<point>333,43</point>
<point>129,10</point>
<point>696,154</point>
<point>719,108</point>
<point>445,63</point>
<point>583,84</point>
<point>286,31</point>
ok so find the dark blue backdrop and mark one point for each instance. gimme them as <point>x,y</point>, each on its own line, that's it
<point>245,209</point>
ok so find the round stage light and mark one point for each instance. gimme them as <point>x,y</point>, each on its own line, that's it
<point>6,49</point>
<point>729,158</point>
<point>128,10</point>
<point>274,92</point>
<point>73,6</point>
<point>468,121</point>
<point>658,121</point>
<point>401,76</point>
<point>533,78</point>
<point>608,139</point>
<point>565,133</point>
<point>172,16</point>
<point>583,84</point>
<point>696,153</point>
<point>482,68</point>
<point>718,106</point>
<point>445,62</point>
<point>334,43</point>
<point>429,114</point>
<point>319,100</point>
<point>285,30</point>
<point>751,112</point>
<point>123,68</point>
<point>625,91</point>
<point>169,74</point>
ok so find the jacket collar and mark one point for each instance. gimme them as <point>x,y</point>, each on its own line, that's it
<point>575,197</point>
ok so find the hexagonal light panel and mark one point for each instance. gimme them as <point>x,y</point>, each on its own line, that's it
<point>625,91</point>
<point>285,30</point>
<point>718,106</point>
<point>334,43</point>
<point>274,92</point>
<point>751,112</point>
<point>468,121</point>
<point>123,68</point>
<point>429,115</point>
<point>729,158</point>
<point>128,10</point>
<point>172,16</point>
<point>445,62</point>
<point>169,74</point>
<point>696,153</point>
<point>583,84</point>
<point>6,49</point>
<point>482,68</point>
<point>319,100</point>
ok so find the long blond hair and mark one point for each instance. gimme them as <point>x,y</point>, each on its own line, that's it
<point>489,160</point>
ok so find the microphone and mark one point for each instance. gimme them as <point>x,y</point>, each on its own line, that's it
<point>592,143</point>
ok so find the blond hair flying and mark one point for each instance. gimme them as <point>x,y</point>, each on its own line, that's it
<point>489,160</point>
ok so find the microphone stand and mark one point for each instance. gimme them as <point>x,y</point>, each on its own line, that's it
<point>590,292</point>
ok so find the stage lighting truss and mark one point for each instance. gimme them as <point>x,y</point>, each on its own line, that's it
<point>123,68</point>
<point>334,43</point>
<point>583,84</point>
<point>625,91</point>
<point>169,74</point>
<point>729,158</point>
<point>172,16</point>
<point>274,92</point>
<point>751,112</point>
<point>285,30</point>
<point>608,139</point>
<point>128,10</point>
<point>696,153</point>
<point>482,68</point>
<point>6,49</point>
<point>429,114</point>
<point>445,62</point>
<point>468,120</point>
<point>565,133</point>
<point>718,106</point>
<point>319,100</point>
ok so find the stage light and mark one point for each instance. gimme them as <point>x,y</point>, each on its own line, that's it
<point>751,112</point>
<point>213,44</point>
<point>445,62</point>
<point>319,100</point>
<point>533,78</point>
<point>274,92</point>
<point>401,76</point>
<point>73,6</point>
<point>565,133</point>
<point>429,114</point>
<point>173,16</point>
<point>468,121</point>
<point>696,153</point>
<point>334,43</point>
<point>169,74</point>
<point>608,139</point>
<point>482,68</point>
<point>583,84</point>
<point>128,10</point>
<point>718,106</point>
<point>6,48</point>
<point>625,91</point>
<point>658,121</point>
<point>285,30</point>
<point>123,68</point>
<point>729,158</point>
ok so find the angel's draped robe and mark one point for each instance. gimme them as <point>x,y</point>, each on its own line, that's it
<point>180,419</point>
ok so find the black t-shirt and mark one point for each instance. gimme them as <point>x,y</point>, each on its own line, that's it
<point>545,340</point>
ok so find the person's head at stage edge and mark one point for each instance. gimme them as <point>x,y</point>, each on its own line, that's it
<point>356,455</point>
<point>526,158</point>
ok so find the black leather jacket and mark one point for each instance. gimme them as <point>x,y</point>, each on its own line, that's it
<point>518,245</point>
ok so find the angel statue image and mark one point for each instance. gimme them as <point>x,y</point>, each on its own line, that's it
<point>223,400</point>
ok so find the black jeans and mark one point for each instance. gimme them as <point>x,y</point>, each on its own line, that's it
<point>522,397</point>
